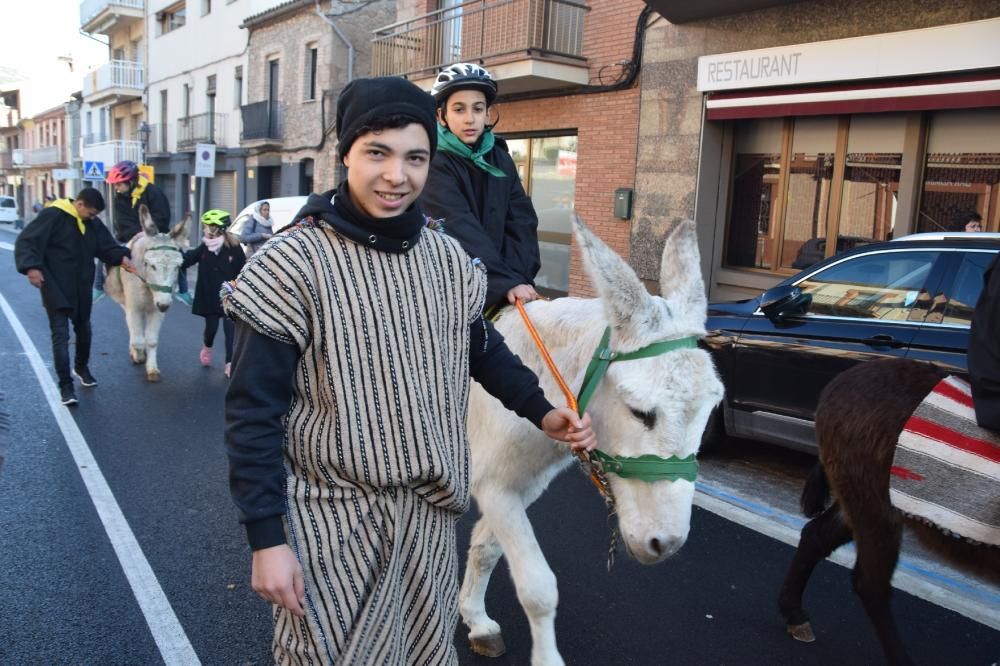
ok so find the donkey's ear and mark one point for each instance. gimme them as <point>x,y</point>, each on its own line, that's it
<point>147,221</point>
<point>626,301</point>
<point>179,232</point>
<point>680,267</point>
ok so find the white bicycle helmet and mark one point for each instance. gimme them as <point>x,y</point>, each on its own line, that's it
<point>463,76</point>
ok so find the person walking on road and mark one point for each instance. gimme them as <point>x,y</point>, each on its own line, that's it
<point>132,190</point>
<point>56,252</point>
<point>357,330</point>
<point>474,188</point>
<point>220,259</point>
<point>258,228</point>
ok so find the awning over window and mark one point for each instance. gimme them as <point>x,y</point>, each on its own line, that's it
<point>924,94</point>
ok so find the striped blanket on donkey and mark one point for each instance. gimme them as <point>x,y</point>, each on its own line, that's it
<point>946,470</point>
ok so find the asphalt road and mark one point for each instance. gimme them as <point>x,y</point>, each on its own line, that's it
<point>64,598</point>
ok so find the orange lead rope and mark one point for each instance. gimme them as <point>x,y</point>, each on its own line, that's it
<point>597,477</point>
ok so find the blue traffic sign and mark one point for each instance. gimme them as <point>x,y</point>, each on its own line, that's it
<point>93,170</point>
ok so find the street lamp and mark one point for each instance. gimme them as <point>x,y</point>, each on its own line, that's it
<point>144,132</point>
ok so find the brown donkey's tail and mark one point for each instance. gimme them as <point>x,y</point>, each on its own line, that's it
<point>815,492</point>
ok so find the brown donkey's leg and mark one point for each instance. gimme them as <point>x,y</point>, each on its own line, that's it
<point>877,538</point>
<point>820,537</point>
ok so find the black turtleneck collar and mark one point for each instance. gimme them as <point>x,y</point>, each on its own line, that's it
<point>387,234</point>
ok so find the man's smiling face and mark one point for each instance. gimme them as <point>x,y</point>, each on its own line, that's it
<point>387,169</point>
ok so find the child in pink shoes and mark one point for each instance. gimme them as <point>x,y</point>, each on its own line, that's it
<point>219,259</point>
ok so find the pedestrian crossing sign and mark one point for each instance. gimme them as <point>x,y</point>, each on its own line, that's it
<point>93,170</point>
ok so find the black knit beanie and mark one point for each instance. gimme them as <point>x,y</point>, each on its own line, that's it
<point>363,101</point>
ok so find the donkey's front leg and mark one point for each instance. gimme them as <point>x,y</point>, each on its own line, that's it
<point>533,579</point>
<point>136,341</point>
<point>484,553</point>
<point>153,322</point>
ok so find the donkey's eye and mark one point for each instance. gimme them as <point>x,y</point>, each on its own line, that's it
<point>648,418</point>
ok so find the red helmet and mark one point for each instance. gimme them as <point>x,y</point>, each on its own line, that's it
<point>125,171</point>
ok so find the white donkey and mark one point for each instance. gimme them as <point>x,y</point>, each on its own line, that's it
<point>147,294</point>
<point>654,402</point>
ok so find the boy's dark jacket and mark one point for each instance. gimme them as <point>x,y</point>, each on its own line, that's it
<point>53,243</point>
<point>491,217</point>
<point>213,270</point>
<point>984,350</point>
<point>127,222</point>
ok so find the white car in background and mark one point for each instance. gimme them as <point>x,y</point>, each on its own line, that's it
<point>283,209</point>
<point>8,209</point>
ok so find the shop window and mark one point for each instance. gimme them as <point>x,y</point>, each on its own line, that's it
<point>810,179</point>
<point>804,189</point>
<point>547,167</point>
<point>871,179</point>
<point>962,171</point>
<point>756,170</point>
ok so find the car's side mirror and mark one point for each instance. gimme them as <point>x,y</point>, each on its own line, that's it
<point>784,301</point>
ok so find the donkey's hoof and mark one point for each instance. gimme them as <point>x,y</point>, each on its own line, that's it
<point>488,646</point>
<point>801,632</point>
<point>153,376</point>
<point>137,355</point>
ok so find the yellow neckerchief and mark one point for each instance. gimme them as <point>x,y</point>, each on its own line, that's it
<point>139,189</point>
<point>66,206</point>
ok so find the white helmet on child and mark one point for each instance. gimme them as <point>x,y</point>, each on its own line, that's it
<point>463,76</point>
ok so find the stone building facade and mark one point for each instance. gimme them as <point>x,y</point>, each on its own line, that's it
<point>298,62</point>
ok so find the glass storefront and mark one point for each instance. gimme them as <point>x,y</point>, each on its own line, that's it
<point>547,167</point>
<point>803,189</point>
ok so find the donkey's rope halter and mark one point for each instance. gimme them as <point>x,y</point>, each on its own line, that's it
<point>167,289</point>
<point>597,464</point>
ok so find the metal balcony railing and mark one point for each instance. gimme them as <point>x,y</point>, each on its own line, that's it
<point>116,74</point>
<point>261,120</point>
<point>479,29</point>
<point>91,8</point>
<point>200,128</point>
<point>43,155</point>
<point>112,152</point>
<point>157,138</point>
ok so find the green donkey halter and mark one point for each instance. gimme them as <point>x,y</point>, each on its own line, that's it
<point>647,468</point>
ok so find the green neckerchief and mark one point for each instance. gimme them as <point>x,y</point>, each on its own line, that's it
<point>450,143</point>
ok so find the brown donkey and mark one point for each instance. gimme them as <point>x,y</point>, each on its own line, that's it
<point>860,415</point>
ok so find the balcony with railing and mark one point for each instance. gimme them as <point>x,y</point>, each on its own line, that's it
<point>117,80</point>
<point>106,16</point>
<point>262,125</point>
<point>201,128</point>
<point>528,45</point>
<point>157,139</point>
<point>43,156</point>
<point>112,151</point>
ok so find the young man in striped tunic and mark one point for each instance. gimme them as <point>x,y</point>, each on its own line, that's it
<point>356,333</point>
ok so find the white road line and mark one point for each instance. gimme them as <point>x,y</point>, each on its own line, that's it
<point>170,638</point>
<point>6,246</point>
<point>909,576</point>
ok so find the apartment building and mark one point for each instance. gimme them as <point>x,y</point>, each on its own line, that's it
<point>788,129</point>
<point>568,106</point>
<point>301,55</point>
<point>112,115</point>
<point>198,59</point>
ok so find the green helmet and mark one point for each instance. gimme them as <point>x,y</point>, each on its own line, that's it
<point>216,216</point>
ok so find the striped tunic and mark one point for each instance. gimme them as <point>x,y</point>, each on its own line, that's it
<point>375,448</point>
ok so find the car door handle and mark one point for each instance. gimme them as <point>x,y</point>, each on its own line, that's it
<point>883,341</point>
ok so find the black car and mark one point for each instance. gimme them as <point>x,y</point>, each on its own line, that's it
<point>912,297</point>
